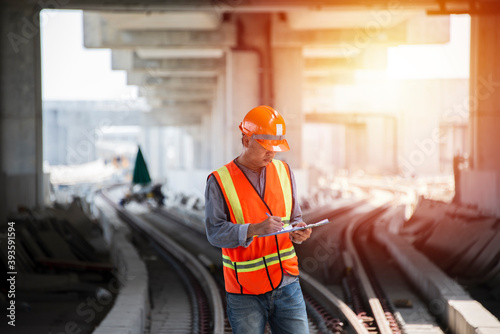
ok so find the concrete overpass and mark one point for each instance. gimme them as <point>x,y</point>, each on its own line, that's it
<point>204,64</point>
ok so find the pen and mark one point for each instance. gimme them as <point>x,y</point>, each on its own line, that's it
<point>292,224</point>
<point>267,213</point>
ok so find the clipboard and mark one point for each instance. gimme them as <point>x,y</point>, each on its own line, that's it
<point>289,229</point>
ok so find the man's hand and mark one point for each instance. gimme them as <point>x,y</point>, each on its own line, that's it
<point>270,225</point>
<point>301,235</point>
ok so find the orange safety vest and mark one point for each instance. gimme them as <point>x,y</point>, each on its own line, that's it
<point>258,268</point>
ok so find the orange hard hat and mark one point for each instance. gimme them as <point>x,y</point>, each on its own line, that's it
<point>267,127</point>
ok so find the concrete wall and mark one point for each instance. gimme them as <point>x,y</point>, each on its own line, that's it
<point>20,109</point>
<point>481,183</point>
<point>482,189</point>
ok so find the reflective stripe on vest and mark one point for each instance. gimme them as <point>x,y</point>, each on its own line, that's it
<point>232,196</point>
<point>257,264</point>
<point>286,186</point>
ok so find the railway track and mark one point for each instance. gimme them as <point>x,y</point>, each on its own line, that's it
<point>367,267</point>
<point>362,267</point>
<point>208,316</point>
<point>205,313</point>
<point>321,320</point>
<point>359,318</point>
<point>327,312</point>
<point>378,319</point>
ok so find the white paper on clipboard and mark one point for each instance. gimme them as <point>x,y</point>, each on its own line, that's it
<point>289,229</point>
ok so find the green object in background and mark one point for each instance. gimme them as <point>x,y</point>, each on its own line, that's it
<point>141,174</point>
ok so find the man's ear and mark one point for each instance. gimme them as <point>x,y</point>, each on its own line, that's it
<point>245,141</point>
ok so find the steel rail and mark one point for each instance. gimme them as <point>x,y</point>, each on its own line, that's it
<point>321,314</point>
<point>321,294</point>
<point>330,301</point>
<point>373,301</point>
<point>197,269</point>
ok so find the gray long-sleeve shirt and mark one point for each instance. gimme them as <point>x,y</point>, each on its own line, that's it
<point>221,232</point>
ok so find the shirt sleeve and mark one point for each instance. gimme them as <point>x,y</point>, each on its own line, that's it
<point>220,231</point>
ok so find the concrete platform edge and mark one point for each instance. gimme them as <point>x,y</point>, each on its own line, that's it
<point>446,298</point>
<point>131,307</point>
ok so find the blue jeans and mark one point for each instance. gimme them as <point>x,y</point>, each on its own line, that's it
<point>284,309</point>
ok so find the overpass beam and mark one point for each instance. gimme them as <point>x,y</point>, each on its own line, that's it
<point>102,33</point>
<point>161,97</point>
<point>153,78</point>
<point>376,27</point>
<point>129,60</point>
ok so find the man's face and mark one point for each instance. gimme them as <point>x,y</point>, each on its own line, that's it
<point>257,154</point>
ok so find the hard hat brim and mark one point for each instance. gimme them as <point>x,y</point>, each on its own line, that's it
<point>274,145</point>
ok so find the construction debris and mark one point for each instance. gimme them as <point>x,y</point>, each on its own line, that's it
<point>61,261</point>
<point>461,240</point>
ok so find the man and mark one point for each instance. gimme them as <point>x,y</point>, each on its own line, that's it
<point>251,196</point>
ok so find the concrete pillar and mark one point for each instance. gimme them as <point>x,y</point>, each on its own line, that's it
<point>194,134</point>
<point>288,74</point>
<point>20,110</point>
<point>147,148</point>
<point>155,159</point>
<point>242,94</point>
<point>162,154</point>
<point>205,145</point>
<point>247,75</point>
<point>356,146</point>
<point>218,138</point>
<point>480,185</point>
<point>187,150</point>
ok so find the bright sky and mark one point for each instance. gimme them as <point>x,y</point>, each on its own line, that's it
<point>71,72</point>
